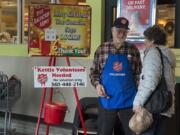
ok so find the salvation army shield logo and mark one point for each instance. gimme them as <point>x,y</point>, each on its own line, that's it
<point>117,66</point>
<point>42,17</point>
<point>42,79</point>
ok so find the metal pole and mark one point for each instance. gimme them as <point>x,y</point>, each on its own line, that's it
<point>77,101</point>
<point>20,21</point>
<point>42,103</point>
<point>177,45</point>
<point>53,63</point>
<point>177,26</point>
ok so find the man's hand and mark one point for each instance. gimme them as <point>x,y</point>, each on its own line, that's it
<point>100,90</point>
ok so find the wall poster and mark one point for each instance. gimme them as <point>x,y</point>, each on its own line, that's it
<point>140,13</point>
<point>59,30</point>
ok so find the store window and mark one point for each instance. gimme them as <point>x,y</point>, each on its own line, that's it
<point>14,21</point>
<point>8,21</point>
<point>166,19</point>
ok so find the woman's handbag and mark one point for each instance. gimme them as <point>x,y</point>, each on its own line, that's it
<point>161,99</point>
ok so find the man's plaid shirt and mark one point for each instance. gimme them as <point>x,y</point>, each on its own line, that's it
<point>101,55</point>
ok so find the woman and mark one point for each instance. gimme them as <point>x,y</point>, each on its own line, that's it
<point>151,74</point>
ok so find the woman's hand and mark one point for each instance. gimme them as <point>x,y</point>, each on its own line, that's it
<point>137,108</point>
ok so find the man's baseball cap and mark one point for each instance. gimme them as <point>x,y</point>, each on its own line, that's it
<point>121,22</point>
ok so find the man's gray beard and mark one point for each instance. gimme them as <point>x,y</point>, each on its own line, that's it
<point>117,44</point>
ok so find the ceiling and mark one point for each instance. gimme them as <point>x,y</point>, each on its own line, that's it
<point>14,2</point>
<point>9,6</point>
<point>166,1</point>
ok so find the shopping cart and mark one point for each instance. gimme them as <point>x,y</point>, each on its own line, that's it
<point>10,92</point>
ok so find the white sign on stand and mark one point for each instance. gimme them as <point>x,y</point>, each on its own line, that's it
<point>59,76</point>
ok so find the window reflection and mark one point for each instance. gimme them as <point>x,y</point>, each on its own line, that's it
<point>8,21</point>
<point>166,19</point>
<point>14,20</point>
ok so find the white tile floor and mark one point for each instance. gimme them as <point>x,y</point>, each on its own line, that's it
<point>19,127</point>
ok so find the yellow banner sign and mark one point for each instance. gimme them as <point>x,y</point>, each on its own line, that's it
<point>59,30</point>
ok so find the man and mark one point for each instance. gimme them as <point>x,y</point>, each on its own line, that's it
<point>114,74</point>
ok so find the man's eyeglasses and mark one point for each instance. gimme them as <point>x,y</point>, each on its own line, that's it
<point>121,31</point>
